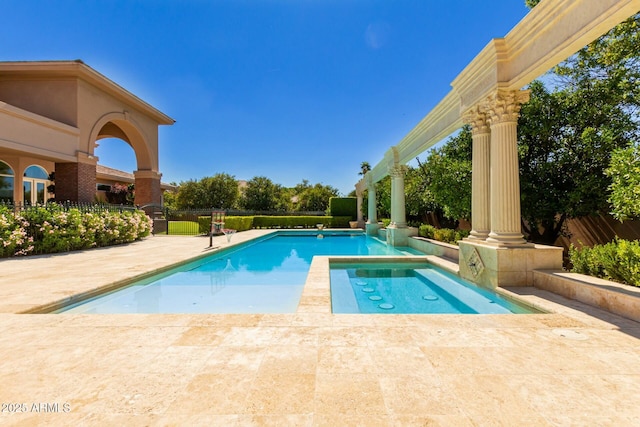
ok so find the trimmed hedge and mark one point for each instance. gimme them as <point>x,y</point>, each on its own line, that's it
<point>344,206</point>
<point>242,223</point>
<point>238,223</point>
<point>300,221</point>
<point>618,261</point>
<point>339,221</point>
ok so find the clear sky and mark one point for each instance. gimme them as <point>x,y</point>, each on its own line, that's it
<point>287,89</point>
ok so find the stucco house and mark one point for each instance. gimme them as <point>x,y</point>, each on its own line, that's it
<point>52,113</point>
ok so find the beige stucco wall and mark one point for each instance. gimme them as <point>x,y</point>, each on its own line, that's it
<point>77,103</point>
<point>35,135</point>
<point>100,109</point>
<point>55,98</point>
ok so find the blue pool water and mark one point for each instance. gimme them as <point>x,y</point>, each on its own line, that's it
<point>263,276</point>
<point>410,288</point>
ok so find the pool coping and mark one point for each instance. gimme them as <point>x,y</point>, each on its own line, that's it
<point>316,293</point>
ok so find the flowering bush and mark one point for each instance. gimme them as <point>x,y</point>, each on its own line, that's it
<point>13,237</point>
<point>49,229</point>
<point>121,194</point>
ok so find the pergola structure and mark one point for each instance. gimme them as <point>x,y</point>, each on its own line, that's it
<point>488,94</point>
<point>52,113</point>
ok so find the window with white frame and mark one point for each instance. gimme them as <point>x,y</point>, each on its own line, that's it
<point>35,183</point>
<point>6,183</point>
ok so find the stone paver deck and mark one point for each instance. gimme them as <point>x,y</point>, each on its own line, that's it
<point>576,366</point>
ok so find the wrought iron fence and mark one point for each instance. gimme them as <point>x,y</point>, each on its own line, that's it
<point>185,222</point>
<point>165,220</point>
<point>82,207</point>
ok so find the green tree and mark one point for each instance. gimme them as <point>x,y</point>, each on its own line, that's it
<point>419,201</point>
<point>222,191</point>
<point>567,134</point>
<point>448,176</point>
<point>566,138</point>
<point>383,197</point>
<point>261,194</point>
<point>314,198</point>
<point>364,168</point>
<point>624,171</point>
<point>169,199</point>
<point>219,191</point>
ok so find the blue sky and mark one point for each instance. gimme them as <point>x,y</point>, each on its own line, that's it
<point>287,89</point>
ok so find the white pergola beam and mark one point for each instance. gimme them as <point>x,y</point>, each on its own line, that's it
<point>553,31</point>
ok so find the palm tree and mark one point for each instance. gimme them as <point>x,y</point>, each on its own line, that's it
<point>364,168</point>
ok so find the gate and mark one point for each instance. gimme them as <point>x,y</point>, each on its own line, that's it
<point>183,222</point>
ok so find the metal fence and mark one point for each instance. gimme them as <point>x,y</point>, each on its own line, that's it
<point>185,222</point>
<point>165,221</point>
<point>82,207</point>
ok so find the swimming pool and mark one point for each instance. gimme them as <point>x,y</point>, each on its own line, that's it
<point>262,276</point>
<point>411,288</point>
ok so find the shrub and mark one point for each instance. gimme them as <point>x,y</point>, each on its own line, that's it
<point>50,229</point>
<point>461,234</point>
<point>13,236</point>
<point>339,221</point>
<point>618,261</point>
<point>262,221</point>
<point>238,223</point>
<point>300,221</point>
<point>446,235</point>
<point>242,223</point>
<point>344,206</point>
<point>426,230</point>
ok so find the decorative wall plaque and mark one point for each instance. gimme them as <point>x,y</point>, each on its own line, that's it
<point>476,266</point>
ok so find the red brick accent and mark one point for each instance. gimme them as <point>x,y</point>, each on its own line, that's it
<point>148,191</point>
<point>75,182</point>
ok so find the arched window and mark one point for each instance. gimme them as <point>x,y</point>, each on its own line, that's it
<point>35,183</point>
<point>6,183</point>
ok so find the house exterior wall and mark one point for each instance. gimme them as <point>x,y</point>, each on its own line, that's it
<point>53,112</point>
<point>76,182</point>
<point>25,132</point>
<point>54,98</point>
<point>100,109</point>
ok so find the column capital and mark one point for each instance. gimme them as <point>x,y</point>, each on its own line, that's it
<point>86,158</point>
<point>476,116</point>
<point>147,174</point>
<point>398,171</point>
<point>504,105</point>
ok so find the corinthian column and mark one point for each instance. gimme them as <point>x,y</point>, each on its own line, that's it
<point>480,173</point>
<point>503,109</point>
<point>372,212</point>
<point>398,216</point>
<point>359,204</point>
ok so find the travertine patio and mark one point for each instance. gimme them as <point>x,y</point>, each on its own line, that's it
<point>576,366</point>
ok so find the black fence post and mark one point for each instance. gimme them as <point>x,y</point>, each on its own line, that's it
<point>211,230</point>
